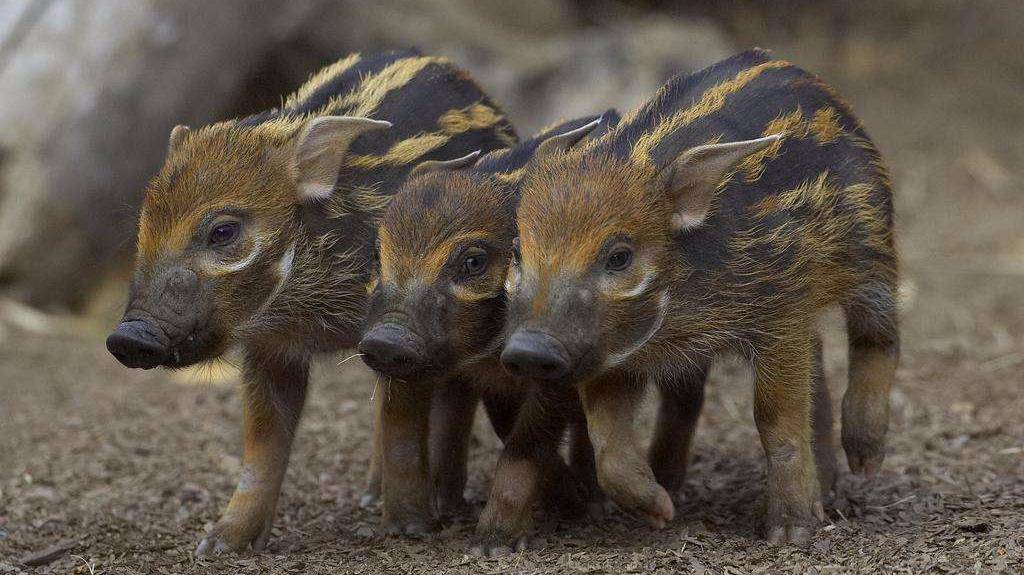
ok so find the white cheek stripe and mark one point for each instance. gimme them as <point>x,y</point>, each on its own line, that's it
<point>244,262</point>
<point>284,267</point>
<point>512,279</point>
<point>617,358</point>
<point>642,286</point>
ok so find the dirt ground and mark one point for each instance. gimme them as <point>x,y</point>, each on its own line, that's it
<point>123,471</point>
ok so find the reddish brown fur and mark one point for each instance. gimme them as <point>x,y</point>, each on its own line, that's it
<point>435,222</point>
<point>292,284</point>
<point>751,276</point>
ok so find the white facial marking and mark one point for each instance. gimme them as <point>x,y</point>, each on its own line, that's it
<point>512,279</point>
<point>284,270</point>
<point>246,261</point>
<point>617,358</point>
<point>642,286</point>
<point>284,267</point>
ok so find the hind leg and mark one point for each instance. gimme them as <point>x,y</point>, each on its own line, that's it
<point>874,352</point>
<point>821,424</point>
<point>681,403</point>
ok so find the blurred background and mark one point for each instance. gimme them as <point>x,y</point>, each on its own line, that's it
<point>127,465</point>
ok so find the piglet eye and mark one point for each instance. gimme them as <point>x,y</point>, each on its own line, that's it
<point>619,259</point>
<point>474,263</point>
<point>223,234</point>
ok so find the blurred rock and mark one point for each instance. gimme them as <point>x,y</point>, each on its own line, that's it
<point>91,95</point>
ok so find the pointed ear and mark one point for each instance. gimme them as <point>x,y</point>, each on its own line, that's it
<point>445,166</point>
<point>320,149</point>
<point>693,177</point>
<point>178,134</point>
<point>561,143</point>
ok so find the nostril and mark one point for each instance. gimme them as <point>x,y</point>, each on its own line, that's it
<point>135,346</point>
<point>535,354</point>
<point>391,348</point>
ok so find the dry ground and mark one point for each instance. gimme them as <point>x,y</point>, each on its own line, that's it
<point>125,470</point>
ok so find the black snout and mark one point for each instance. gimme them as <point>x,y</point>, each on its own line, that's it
<point>135,344</point>
<point>536,355</point>
<point>392,349</point>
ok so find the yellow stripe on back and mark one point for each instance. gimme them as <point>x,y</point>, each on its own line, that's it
<point>710,102</point>
<point>476,117</point>
<point>823,125</point>
<point>453,122</point>
<point>321,78</point>
<point>367,96</point>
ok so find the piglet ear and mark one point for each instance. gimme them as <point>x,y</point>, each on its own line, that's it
<point>178,134</point>
<point>693,177</point>
<point>445,166</point>
<point>320,149</point>
<point>561,143</point>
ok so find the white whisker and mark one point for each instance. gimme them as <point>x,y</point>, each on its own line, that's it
<point>350,357</point>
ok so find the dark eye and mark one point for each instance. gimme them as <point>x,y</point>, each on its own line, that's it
<point>619,259</point>
<point>223,234</point>
<point>474,263</point>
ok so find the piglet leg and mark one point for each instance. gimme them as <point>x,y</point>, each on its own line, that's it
<point>274,393</point>
<point>610,404</point>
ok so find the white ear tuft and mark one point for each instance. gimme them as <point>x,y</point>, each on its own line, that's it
<point>320,150</point>
<point>693,178</point>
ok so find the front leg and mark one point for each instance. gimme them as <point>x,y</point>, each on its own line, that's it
<point>529,465</point>
<point>782,410</point>
<point>374,479</point>
<point>451,425</point>
<point>273,395</point>
<point>451,422</point>
<point>610,405</point>
<point>405,458</point>
<point>583,464</point>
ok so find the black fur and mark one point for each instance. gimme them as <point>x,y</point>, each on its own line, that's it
<point>744,115</point>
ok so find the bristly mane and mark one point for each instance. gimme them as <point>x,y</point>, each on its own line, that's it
<point>731,100</point>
